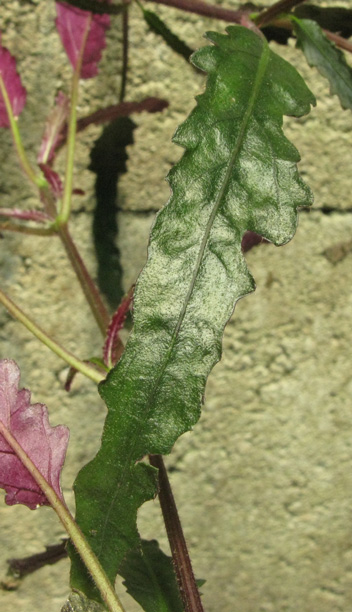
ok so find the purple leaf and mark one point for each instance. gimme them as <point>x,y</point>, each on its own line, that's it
<point>54,125</point>
<point>251,239</point>
<point>25,215</point>
<point>29,425</point>
<point>53,179</point>
<point>72,24</point>
<point>12,82</point>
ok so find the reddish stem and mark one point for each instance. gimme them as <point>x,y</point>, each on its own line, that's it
<point>89,289</point>
<point>182,564</point>
<point>269,14</point>
<point>207,10</point>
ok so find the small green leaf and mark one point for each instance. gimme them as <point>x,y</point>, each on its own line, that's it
<point>238,173</point>
<point>78,602</point>
<point>172,40</point>
<point>326,57</point>
<point>150,579</point>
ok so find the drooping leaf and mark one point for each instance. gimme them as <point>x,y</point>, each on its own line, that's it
<point>172,40</point>
<point>238,173</point>
<point>44,445</point>
<point>150,578</point>
<point>78,602</point>
<point>72,24</point>
<point>54,125</point>
<point>334,18</point>
<point>326,57</point>
<point>11,81</point>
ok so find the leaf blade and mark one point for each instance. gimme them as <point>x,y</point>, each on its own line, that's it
<point>321,53</point>
<point>43,444</point>
<point>72,24</point>
<point>11,80</point>
<point>150,579</point>
<point>238,173</point>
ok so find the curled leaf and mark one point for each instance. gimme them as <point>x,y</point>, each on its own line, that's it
<point>29,425</point>
<point>321,53</point>
<point>72,25</point>
<point>53,179</point>
<point>10,80</point>
<point>110,351</point>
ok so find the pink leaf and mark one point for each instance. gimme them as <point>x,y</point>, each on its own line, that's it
<point>72,24</point>
<point>29,425</point>
<point>25,215</point>
<point>54,125</point>
<point>12,83</point>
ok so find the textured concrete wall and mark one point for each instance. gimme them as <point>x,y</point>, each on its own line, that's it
<point>264,482</point>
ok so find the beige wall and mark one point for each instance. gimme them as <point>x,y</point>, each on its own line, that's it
<point>264,482</point>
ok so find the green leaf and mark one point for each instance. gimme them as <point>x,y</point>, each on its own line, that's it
<point>238,173</point>
<point>172,40</point>
<point>150,579</point>
<point>324,55</point>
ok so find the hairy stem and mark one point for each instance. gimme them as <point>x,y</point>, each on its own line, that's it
<point>182,564</point>
<point>283,6</point>
<point>90,291</point>
<point>80,543</point>
<point>39,333</point>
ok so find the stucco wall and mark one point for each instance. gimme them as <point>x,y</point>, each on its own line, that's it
<point>264,482</point>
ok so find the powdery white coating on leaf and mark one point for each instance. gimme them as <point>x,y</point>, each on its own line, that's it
<point>71,24</point>
<point>44,445</point>
<point>12,82</point>
<point>53,131</point>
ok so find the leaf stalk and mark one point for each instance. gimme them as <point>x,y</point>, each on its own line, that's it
<point>54,346</point>
<point>39,181</point>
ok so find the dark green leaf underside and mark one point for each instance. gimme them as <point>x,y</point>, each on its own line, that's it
<point>150,579</point>
<point>238,173</point>
<point>326,57</point>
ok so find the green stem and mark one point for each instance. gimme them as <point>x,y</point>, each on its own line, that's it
<point>65,209</point>
<point>89,289</point>
<point>39,181</point>
<point>24,229</point>
<point>87,555</point>
<point>79,365</point>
